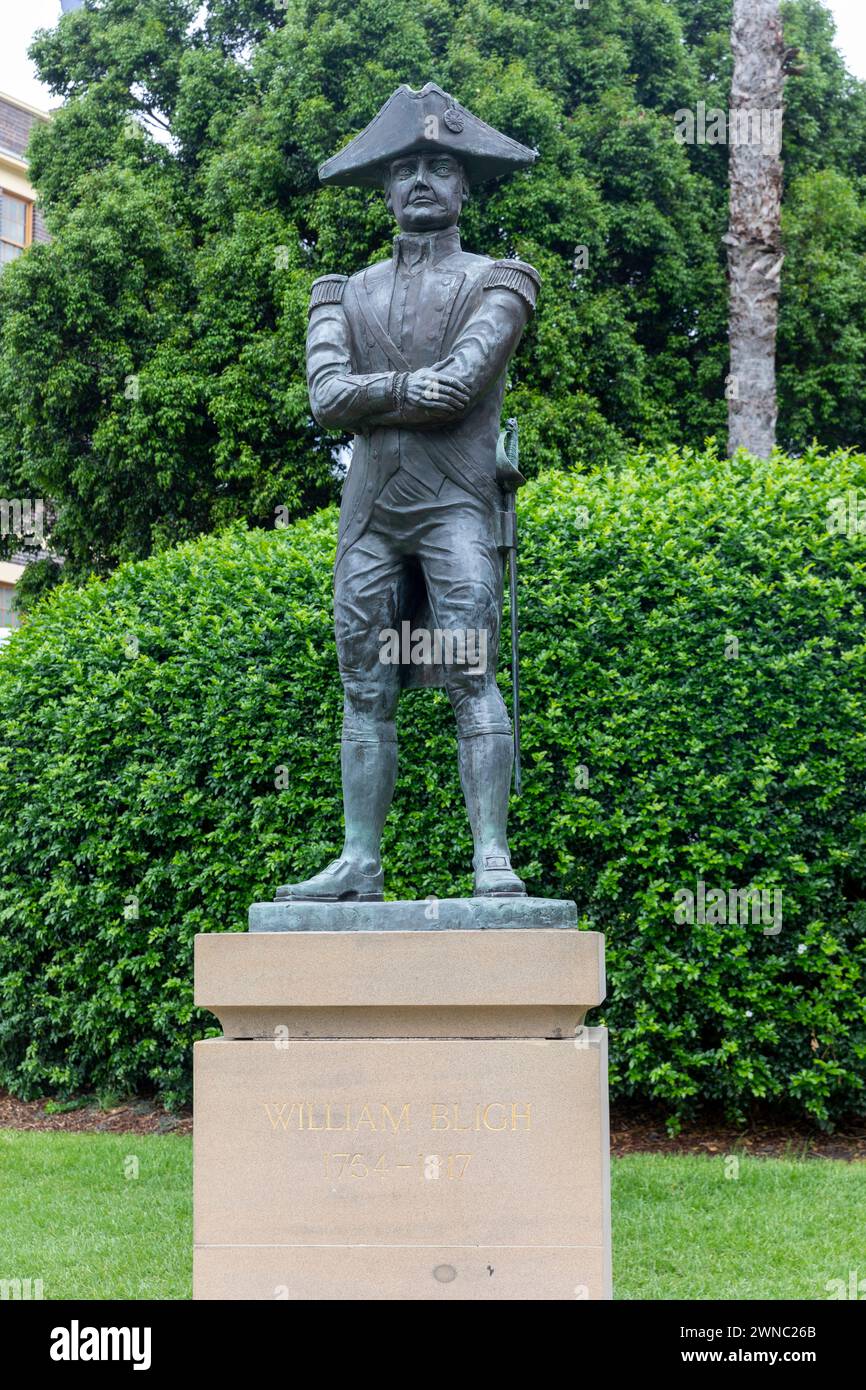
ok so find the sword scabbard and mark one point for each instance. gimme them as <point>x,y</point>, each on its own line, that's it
<point>510,479</point>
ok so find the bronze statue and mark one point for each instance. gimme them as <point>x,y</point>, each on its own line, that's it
<point>411,355</point>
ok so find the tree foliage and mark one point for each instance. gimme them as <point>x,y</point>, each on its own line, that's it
<point>151,357</point>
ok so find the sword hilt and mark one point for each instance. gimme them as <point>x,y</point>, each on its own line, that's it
<point>508,475</point>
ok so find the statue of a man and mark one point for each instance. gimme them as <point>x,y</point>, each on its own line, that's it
<point>411,356</point>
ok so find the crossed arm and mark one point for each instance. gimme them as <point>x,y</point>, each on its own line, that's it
<point>425,399</point>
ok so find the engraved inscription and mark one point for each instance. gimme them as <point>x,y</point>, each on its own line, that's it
<point>380,1117</point>
<point>304,1114</point>
<point>427,1167</point>
<point>497,1117</point>
<point>395,1122</point>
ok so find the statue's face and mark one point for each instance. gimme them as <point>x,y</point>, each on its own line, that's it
<point>425,192</point>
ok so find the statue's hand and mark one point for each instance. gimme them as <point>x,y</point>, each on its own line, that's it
<point>435,392</point>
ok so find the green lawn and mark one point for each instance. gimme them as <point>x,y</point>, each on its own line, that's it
<point>780,1229</point>
<point>73,1214</point>
<point>70,1215</point>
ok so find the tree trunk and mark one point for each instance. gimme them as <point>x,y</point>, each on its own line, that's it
<point>754,237</point>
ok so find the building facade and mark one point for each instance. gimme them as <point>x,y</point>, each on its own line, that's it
<point>20,226</point>
<point>20,222</point>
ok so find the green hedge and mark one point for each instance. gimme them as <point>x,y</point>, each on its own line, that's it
<point>694,676</point>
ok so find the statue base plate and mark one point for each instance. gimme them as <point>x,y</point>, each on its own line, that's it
<point>402,1114</point>
<point>426,914</point>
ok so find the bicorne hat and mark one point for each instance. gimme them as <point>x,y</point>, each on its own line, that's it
<point>430,119</point>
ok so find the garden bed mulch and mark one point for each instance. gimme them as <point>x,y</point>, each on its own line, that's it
<point>129,1117</point>
<point>634,1132</point>
<point>631,1132</point>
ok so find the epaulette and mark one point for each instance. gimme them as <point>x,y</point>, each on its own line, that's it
<point>519,276</point>
<point>328,289</point>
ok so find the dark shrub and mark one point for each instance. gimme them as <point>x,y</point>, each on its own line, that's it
<point>694,672</point>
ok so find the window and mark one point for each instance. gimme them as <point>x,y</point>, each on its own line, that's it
<point>16,225</point>
<point>8,615</point>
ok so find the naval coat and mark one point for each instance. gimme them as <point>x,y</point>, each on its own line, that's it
<point>433,305</point>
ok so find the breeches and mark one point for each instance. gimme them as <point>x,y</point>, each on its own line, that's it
<point>447,541</point>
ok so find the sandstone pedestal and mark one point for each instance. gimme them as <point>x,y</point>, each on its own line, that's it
<point>402,1111</point>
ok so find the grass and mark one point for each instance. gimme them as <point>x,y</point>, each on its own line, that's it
<point>74,1214</point>
<point>781,1228</point>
